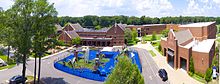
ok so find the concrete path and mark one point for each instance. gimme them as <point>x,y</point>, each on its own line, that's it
<point>178,76</point>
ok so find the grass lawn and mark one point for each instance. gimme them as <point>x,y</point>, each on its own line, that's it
<point>152,53</point>
<point>155,44</point>
<point>218,34</point>
<point>148,37</point>
<point>3,57</point>
<point>198,78</point>
<point>81,63</point>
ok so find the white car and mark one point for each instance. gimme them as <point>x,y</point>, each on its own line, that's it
<point>214,72</point>
<point>2,63</point>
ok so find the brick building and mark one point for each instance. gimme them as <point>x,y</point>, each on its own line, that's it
<point>113,36</point>
<point>196,40</point>
<point>148,29</point>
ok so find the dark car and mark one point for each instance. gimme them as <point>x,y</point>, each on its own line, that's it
<point>163,74</point>
<point>17,79</point>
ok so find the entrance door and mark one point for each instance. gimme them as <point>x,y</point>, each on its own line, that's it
<point>170,54</point>
<point>183,63</point>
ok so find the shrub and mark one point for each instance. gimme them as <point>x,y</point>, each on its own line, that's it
<point>159,47</point>
<point>208,74</point>
<point>191,65</point>
<point>154,37</point>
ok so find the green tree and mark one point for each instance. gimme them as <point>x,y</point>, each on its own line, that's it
<point>208,75</point>
<point>97,27</point>
<point>165,33</point>
<point>6,37</point>
<point>44,17</point>
<point>125,73</point>
<point>127,36</point>
<point>191,65</point>
<point>76,41</point>
<point>21,22</point>
<point>134,35</point>
<point>154,36</point>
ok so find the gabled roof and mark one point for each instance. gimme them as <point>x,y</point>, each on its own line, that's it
<point>93,30</point>
<point>122,26</point>
<point>71,34</point>
<point>183,36</point>
<point>76,26</point>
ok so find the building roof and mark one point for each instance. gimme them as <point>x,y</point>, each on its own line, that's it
<point>72,34</point>
<point>203,46</point>
<point>183,36</point>
<point>90,38</point>
<point>76,26</point>
<point>200,24</point>
<point>122,26</point>
<point>154,24</point>
<point>93,30</point>
<point>191,44</point>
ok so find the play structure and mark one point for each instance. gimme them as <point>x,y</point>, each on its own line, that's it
<point>100,63</point>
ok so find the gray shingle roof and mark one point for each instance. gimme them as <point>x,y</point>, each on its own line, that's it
<point>76,26</point>
<point>92,30</point>
<point>122,26</point>
<point>72,34</point>
<point>183,36</point>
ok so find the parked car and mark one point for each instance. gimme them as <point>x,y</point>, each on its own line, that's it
<point>17,79</point>
<point>163,74</point>
<point>214,72</point>
<point>2,63</point>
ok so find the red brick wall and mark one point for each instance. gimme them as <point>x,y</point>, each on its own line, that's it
<point>184,53</point>
<point>201,61</point>
<point>117,35</point>
<point>64,37</point>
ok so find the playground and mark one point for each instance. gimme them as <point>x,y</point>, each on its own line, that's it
<point>93,64</point>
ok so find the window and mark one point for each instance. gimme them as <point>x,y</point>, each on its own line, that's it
<point>202,61</point>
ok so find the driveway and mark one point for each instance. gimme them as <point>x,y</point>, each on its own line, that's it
<point>149,68</point>
<point>178,76</point>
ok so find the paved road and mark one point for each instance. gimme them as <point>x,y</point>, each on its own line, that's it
<point>149,68</point>
<point>50,75</point>
<point>7,74</point>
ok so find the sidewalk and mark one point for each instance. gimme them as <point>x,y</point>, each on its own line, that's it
<point>178,76</point>
<point>49,56</point>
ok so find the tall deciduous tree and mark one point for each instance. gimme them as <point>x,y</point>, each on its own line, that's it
<point>21,23</point>
<point>125,73</point>
<point>44,15</point>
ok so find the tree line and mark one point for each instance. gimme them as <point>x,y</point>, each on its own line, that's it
<point>91,21</point>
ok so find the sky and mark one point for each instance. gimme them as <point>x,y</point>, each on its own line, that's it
<point>151,8</point>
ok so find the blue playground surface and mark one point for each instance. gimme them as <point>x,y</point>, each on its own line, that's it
<point>102,73</point>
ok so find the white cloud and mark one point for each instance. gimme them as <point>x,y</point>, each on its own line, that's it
<point>6,4</point>
<point>193,8</point>
<point>152,8</point>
